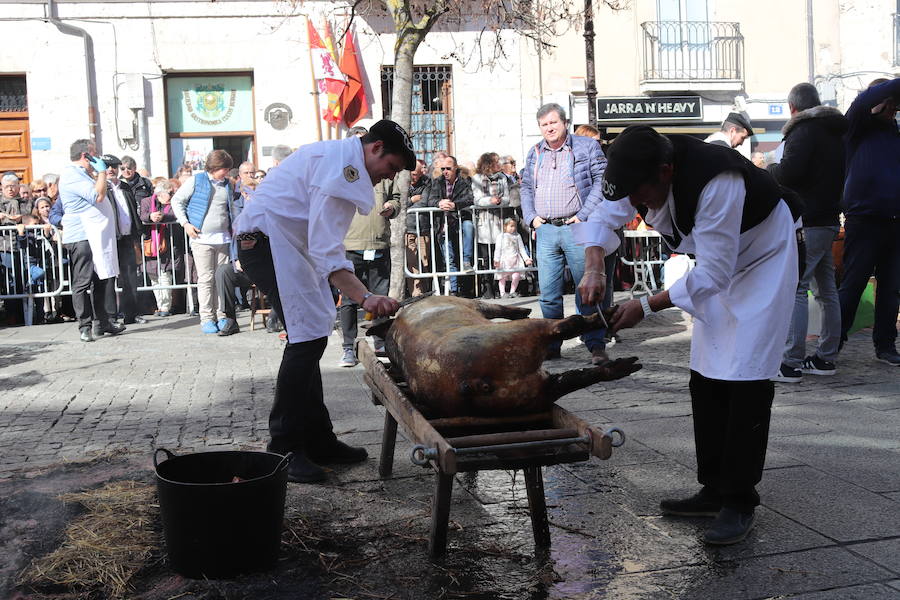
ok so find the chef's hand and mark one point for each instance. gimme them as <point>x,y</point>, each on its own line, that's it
<point>191,230</point>
<point>592,287</point>
<point>380,306</point>
<point>626,315</point>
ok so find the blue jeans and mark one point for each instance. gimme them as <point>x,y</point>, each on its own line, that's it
<point>819,264</point>
<point>451,247</point>
<point>872,246</point>
<point>556,249</point>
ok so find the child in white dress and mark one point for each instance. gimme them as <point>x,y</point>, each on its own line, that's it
<point>510,253</point>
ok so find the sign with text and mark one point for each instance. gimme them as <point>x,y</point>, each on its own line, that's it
<point>656,108</point>
<point>209,103</point>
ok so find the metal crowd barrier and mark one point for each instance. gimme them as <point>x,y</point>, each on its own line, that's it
<point>20,279</point>
<point>40,268</point>
<point>643,252</point>
<point>488,219</point>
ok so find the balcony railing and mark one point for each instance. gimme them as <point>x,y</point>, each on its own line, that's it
<point>693,51</point>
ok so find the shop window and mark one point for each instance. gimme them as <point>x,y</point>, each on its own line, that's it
<point>206,112</point>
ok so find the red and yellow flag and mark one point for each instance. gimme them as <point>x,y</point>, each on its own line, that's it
<point>353,99</point>
<point>329,79</point>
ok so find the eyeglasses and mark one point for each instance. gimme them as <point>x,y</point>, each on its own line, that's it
<point>447,168</point>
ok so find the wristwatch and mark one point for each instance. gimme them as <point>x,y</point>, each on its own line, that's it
<point>365,297</point>
<point>645,304</point>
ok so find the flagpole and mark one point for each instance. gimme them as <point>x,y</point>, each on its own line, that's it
<point>315,85</point>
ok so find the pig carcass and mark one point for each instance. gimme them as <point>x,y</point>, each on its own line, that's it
<point>457,362</point>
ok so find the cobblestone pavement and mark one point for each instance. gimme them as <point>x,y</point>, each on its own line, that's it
<point>829,525</point>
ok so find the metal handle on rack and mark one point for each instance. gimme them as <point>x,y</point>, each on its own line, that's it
<point>621,441</point>
<point>420,455</point>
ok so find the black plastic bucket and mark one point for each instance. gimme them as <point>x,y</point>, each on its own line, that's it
<point>216,525</point>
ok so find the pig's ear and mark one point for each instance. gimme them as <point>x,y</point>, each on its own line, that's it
<point>380,327</point>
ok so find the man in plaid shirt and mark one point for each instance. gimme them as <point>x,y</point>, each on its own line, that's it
<point>561,185</point>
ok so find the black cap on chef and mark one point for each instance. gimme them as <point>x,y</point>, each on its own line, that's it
<point>634,158</point>
<point>740,120</point>
<point>396,141</point>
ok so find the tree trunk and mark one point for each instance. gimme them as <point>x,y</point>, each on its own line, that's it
<point>401,105</point>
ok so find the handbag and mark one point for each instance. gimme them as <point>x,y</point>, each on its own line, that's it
<point>156,243</point>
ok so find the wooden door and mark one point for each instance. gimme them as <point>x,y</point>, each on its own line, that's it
<point>15,141</point>
<point>15,145</point>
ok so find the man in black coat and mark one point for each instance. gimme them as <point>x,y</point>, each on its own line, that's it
<point>140,187</point>
<point>452,194</point>
<point>813,166</point>
<point>128,234</point>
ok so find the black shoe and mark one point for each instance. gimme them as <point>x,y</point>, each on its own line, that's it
<point>303,470</point>
<point>86,334</point>
<point>338,453</point>
<point>698,505</point>
<point>788,374</point>
<point>136,319</point>
<point>230,328</point>
<point>108,328</point>
<point>888,356</point>
<point>730,527</point>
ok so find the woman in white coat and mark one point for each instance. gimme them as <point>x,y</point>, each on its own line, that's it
<point>709,201</point>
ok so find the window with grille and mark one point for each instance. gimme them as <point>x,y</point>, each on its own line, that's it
<point>431,114</point>
<point>12,94</point>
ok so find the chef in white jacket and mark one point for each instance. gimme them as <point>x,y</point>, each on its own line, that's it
<point>709,201</point>
<point>290,244</point>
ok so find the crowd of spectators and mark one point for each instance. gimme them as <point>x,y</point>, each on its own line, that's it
<point>478,221</point>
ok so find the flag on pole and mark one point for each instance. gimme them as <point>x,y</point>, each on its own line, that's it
<point>334,87</point>
<point>329,78</point>
<point>353,99</point>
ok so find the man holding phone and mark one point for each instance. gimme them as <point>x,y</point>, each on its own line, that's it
<point>92,254</point>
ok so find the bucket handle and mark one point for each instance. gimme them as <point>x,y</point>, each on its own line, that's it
<point>283,463</point>
<point>169,456</point>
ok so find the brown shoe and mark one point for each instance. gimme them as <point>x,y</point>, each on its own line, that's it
<point>599,357</point>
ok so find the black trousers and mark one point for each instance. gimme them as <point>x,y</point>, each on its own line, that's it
<point>872,247</point>
<point>731,432</point>
<point>127,301</point>
<point>299,419</point>
<point>226,280</point>
<point>376,275</point>
<point>84,279</point>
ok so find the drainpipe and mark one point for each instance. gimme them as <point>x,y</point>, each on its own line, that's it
<point>810,42</point>
<point>90,77</point>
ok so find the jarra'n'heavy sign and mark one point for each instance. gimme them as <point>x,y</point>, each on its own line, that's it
<point>657,108</point>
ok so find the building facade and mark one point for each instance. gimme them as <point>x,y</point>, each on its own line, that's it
<point>167,81</point>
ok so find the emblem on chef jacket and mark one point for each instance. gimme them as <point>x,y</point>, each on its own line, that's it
<point>278,115</point>
<point>351,174</point>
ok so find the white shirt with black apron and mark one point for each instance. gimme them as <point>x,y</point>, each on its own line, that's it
<point>741,292</point>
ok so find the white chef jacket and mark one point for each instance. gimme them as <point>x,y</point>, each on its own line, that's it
<point>741,293</point>
<point>305,206</point>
